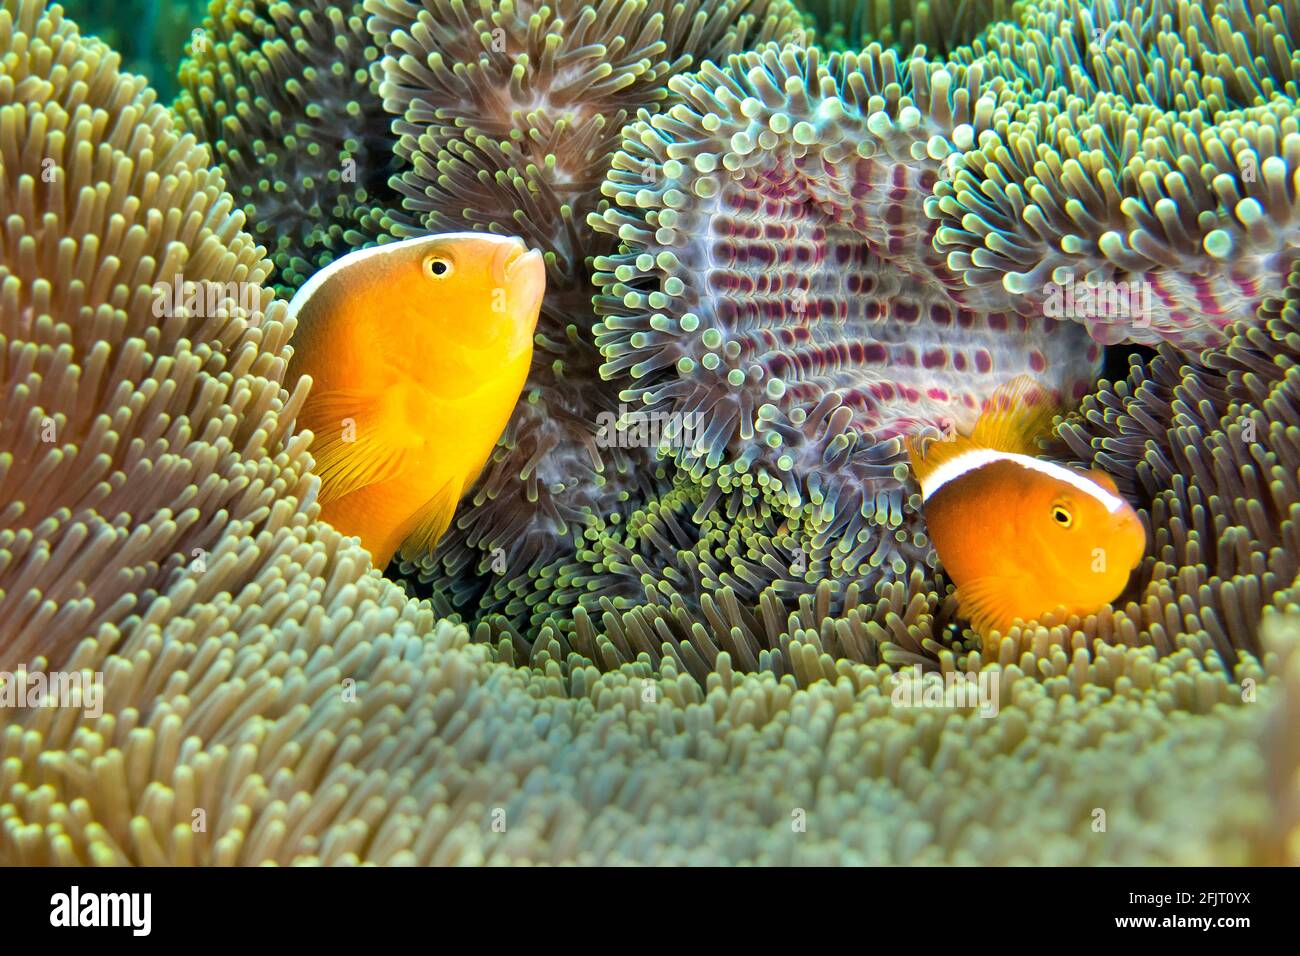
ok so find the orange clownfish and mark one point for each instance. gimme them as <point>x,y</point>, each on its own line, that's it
<point>417,352</point>
<point>1017,535</point>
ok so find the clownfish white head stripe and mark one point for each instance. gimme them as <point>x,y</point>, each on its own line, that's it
<point>969,461</point>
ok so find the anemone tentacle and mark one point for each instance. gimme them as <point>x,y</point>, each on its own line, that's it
<point>941,26</point>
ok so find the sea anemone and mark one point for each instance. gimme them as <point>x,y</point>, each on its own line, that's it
<point>141,356</point>
<point>282,93</point>
<point>786,196</point>
<point>1211,450</point>
<point>1283,743</point>
<point>1155,150</point>
<point>273,699</point>
<point>694,573</point>
<point>1177,55</point>
<point>1208,448</point>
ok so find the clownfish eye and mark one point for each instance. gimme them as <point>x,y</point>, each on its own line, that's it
<point>1062,515</point>
<point>437,267</point>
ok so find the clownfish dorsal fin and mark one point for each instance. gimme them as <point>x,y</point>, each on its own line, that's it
<point>927,457</point>
<point>1016,415</point>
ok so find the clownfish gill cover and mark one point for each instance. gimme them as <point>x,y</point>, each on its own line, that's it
<point>650,432</point>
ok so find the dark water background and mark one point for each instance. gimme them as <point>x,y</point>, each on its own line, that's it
<point>151,35</point>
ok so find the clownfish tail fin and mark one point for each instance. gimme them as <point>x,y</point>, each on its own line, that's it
<point>1017,414</point>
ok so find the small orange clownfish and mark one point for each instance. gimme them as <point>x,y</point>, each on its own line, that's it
<point>417,352</point>
<point>1017,535</point>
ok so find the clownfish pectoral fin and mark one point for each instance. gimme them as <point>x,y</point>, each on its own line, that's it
<point>352,447</point>
<point>990,603</point>
<point>433,521</point>
<point>1018,413</point>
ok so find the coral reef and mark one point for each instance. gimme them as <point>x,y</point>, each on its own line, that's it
<point>271,698</point>
<point>282,93</point>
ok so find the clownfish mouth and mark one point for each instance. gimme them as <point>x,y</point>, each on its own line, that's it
<point>523,270</point>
